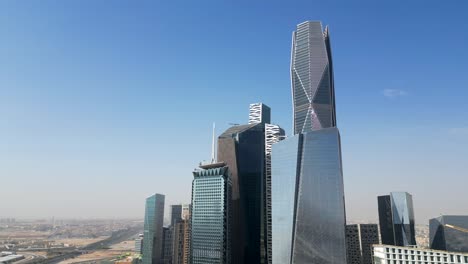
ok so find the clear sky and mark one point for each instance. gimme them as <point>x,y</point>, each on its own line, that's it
<point>103,103</point>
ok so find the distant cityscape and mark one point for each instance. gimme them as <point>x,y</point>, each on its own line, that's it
<point>262,197</point>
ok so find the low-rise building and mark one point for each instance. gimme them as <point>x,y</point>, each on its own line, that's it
<point>386,254</point>
<point>10,259</point>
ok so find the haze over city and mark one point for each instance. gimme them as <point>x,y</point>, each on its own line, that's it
<point>102,106</point>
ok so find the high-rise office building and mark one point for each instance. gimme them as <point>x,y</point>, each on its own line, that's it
<point>244,149</point>
<point>308,213</point>
<point>153,229</point>
<point>359,241</point>
<point>168,233</point>
<point>449,232</point>
<point>396,219</point>
<point>178,242</point>
<point>273,134</point>
<point>312,78</point>
<point>186,208</point>
<point>186,216</point>
<point>139,244</point>
<point>176,213</point>
<point>211,216</point>
<point>259,113</point>
<point>353,244</point>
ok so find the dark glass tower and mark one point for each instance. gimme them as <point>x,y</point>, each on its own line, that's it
<point>153,230</point>
<point>176,214</point>
<point>245,149</point>
<point>168,234</point>
<point>396,219</point>
<point>449,232</point>
<point>308,211</point>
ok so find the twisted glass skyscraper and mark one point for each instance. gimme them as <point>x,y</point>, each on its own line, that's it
<point>312,78</point>
<point>308,211</point>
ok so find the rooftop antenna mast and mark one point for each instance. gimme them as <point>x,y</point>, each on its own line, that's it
<point>213,157</point>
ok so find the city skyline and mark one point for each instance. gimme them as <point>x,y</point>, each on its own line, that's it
<point>308,200</point>
<point>80,125</point>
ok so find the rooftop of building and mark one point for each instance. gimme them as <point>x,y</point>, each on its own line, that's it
<point>237,129</point>
<point>428,250</point>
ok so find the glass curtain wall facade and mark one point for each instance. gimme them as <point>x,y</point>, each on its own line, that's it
<point>153,230</point>
<point>396,217</point>
<point>386,220</point>
<point>242,147</point>
<point>176,213</point>
<point>246,149</point>
<point>449,232</point>
<point>273,134</point>
<point>308,199</point>
<point>308,211</point>
<point>312,78</point>
<point>167,247</point>
<point>211,218</point>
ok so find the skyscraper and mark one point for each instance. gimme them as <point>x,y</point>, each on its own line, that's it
<point>244,148</point>
<point>449,232</point>
<point>308,213</point>
<point>178,243</point>
<point>359,241</point>
<point>176,213</point>
<point>153,229</point>
<point>396,219</point>
<point>273,134</point>
<point>139,244</point>
<point>168,234</point>
<point>259,113</point>
<point>186,216</point>
<point>211,216</point>
<point>312,82</point>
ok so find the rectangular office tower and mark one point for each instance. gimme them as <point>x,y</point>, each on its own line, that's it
<point>396,219</point>
<point>259,113</point>
<point>449,232</point>
<point>176,213</point>
<point>211,216</point>
<point>359,241</point>
<point>245,149</point>
<point>168,233</point>
<point>308,210</point>
<point>153,230</point>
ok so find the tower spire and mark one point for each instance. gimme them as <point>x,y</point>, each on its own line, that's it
<point>213,156</point>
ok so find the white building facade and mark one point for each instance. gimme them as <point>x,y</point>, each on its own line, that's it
<point>385,254</point>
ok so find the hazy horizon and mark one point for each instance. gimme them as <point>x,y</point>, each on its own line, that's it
<point>103,105</point>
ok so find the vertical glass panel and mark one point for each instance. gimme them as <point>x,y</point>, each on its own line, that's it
<point>320,221</point>
<point>283,181</point>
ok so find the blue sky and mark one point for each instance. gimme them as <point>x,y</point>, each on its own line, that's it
<point>104,103</point>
